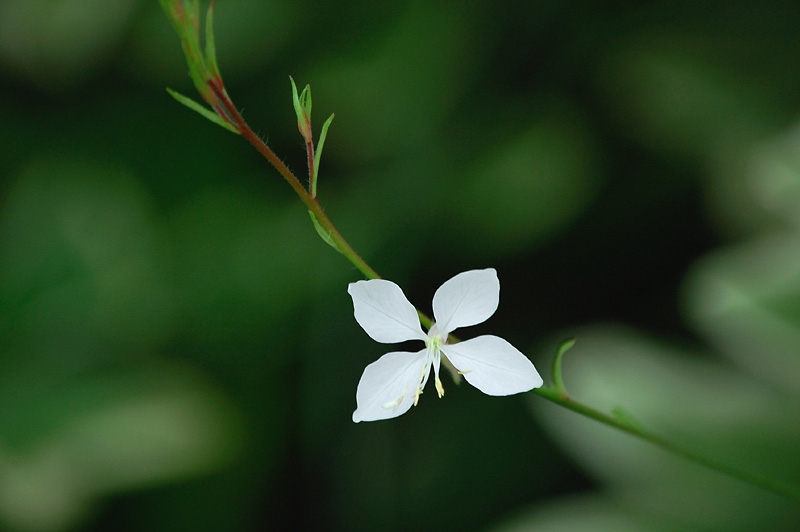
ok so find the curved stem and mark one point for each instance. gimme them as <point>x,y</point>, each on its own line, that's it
<point>775,486</point>
<point>554,395</point>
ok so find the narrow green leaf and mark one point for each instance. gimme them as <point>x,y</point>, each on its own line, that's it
<point>194,106</point>
<point>296,100</point>
<point>184,15</point>
<point>302,108</point>
<point>322,232</point>
<point>305,100</point>
<point>558,380</point>
<point>211,49</point>
<point>318,154</point>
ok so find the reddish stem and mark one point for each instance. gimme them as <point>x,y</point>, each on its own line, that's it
<point>312,172</point>
<point>311,203</point>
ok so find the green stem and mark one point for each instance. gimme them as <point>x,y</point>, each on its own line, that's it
<point>553,395</point>
<point>775,486</point>
<point>311,203</point>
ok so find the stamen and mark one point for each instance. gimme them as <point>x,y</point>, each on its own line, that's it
<point>419,386</point>
<point>439,388</point>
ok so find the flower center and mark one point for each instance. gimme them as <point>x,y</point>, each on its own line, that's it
<point>434,344</point>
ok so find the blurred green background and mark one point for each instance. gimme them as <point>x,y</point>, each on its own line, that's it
<point>177,347</point>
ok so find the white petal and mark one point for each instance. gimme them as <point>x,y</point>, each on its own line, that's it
<point>388,387</point>
<point>466,299</point>
<point>383,311</point>
<point>493,365</point>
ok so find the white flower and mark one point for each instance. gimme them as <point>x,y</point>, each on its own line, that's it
<point>392,384</point>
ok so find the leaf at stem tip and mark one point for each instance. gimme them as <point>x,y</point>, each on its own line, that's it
<point>558,380</point>
<point>323,233</point>
<point>302,108</point>
<point>295,97</point>
<point>305,100</point>
<point>211,49</point>
<point>194,106</point>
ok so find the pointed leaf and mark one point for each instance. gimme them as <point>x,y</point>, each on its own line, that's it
<point>211,49</point>
<point>194,106</point>
<point>305,101</point>
<point>296,99</point>
<point>323,233</point>
<point>303,114</point>
<point>318,154</point>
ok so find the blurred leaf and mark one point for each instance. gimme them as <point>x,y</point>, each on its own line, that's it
<point>757,188</point>
<point>526,189</point>
<point>679,102</point>
<point>80,259</point>
<point>701,405</point>
<point>242,264</point>
<point>775,179</point>
<point>106,433</point>
<point>394,95</point>
<point>39,38</point>
<point>580,514</point>
<point>746,300</point>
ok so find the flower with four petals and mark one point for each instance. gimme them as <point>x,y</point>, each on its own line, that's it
<point>393,383</point>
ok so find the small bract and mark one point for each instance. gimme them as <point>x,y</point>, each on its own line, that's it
<point>391,385</point>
